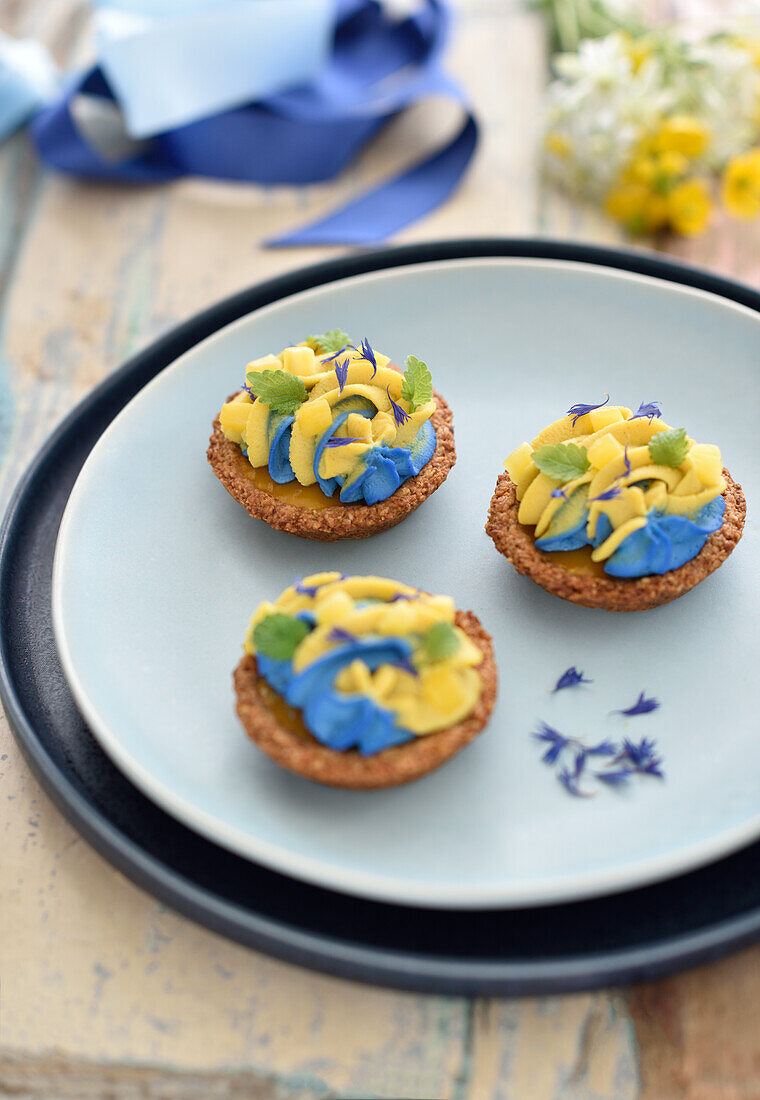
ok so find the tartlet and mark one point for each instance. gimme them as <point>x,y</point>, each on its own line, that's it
<point>329,443</point>
<point>613,509</point>
<point>363,682</point>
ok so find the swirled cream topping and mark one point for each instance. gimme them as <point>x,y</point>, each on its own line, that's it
<point>344,420</point>
<point>642,495</point>
<point>369,662</point>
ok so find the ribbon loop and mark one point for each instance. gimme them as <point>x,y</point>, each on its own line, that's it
<point>376,67</point>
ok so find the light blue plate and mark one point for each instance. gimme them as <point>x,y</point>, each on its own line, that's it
<point>157,571</point>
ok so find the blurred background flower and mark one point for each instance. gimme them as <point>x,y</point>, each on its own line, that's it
<point>656,125</point>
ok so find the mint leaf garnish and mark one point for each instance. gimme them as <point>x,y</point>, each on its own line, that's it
<point>562,461</point>
<point>329,342</point>
<point>283,392</point>
<point>278,636</point>
<point>440,641</point>
<point>417,388</point>
<point>669,448</point>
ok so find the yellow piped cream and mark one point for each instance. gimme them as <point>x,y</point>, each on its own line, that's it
<point>617,448</point>
<point>246,422</point>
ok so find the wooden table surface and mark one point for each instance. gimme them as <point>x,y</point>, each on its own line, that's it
<point>104,992</point>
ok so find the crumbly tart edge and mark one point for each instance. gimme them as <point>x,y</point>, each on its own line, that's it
<point>343,521</point>
<point>609,593</point>
<point>389,768</point>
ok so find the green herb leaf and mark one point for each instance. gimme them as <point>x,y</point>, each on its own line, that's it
<point>283,392</point>
<point>669,448</point>
<point>417,388</point>
<point>441,641</point>
<point>278,636</point>
<point>329,342</point>
<point>563,461</point>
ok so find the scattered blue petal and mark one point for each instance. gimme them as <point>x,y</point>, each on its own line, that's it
<point>626,758</point>
<point>626,461</point>
<point>555,740</point>
<point>569,779</point>
<point>650,411</point>
<point>341,373</point>
<point>368,354</point>
<point>604,748</point>
<point>614,778</point>
<point>570,678</point>
<point>577,411</point>
<point>249,391</point>
<point>559,493</point>
<point>403,596</point>
<point>338,634</point>
<point>642,757</point>
<point>399,415</point>
<point>641,706</point>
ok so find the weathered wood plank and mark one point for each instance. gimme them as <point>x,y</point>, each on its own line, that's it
<point>698,1033</point>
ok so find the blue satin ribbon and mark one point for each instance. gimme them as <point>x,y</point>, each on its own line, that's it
<point>376,68</point>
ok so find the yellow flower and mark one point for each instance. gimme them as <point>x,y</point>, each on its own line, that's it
<point>740,188</point>
<point>683,134</point>
<point>689,207</point>
<point>558,144</point>
<point>642,169</point>
<point>637,207</point>
<point>638,49</point>
<point>751,45</point>
<point>671,165</point>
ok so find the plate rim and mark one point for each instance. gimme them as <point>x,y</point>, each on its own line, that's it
<point>409,969</point>
<point>383,887</point>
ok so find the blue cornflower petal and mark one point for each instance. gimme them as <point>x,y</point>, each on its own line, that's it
<point>641,706</point>
<point>570,678</point>
<point>340,441</point>
<point>608,494</point>
<point>651,411</point>
<point>307,589</point>
<point>368,354</point>
<point>399,415</point>
<point>604,748</point>
<point>614,778</point>
<point>341,373</point>
<point>577,411</point>
<point>335,354</point>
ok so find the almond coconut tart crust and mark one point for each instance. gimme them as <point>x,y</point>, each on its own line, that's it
<point>615,509</point>
<point>363,682</point>
<point>328,440</point>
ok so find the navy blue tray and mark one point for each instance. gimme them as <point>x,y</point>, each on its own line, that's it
<point>628,937</point>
